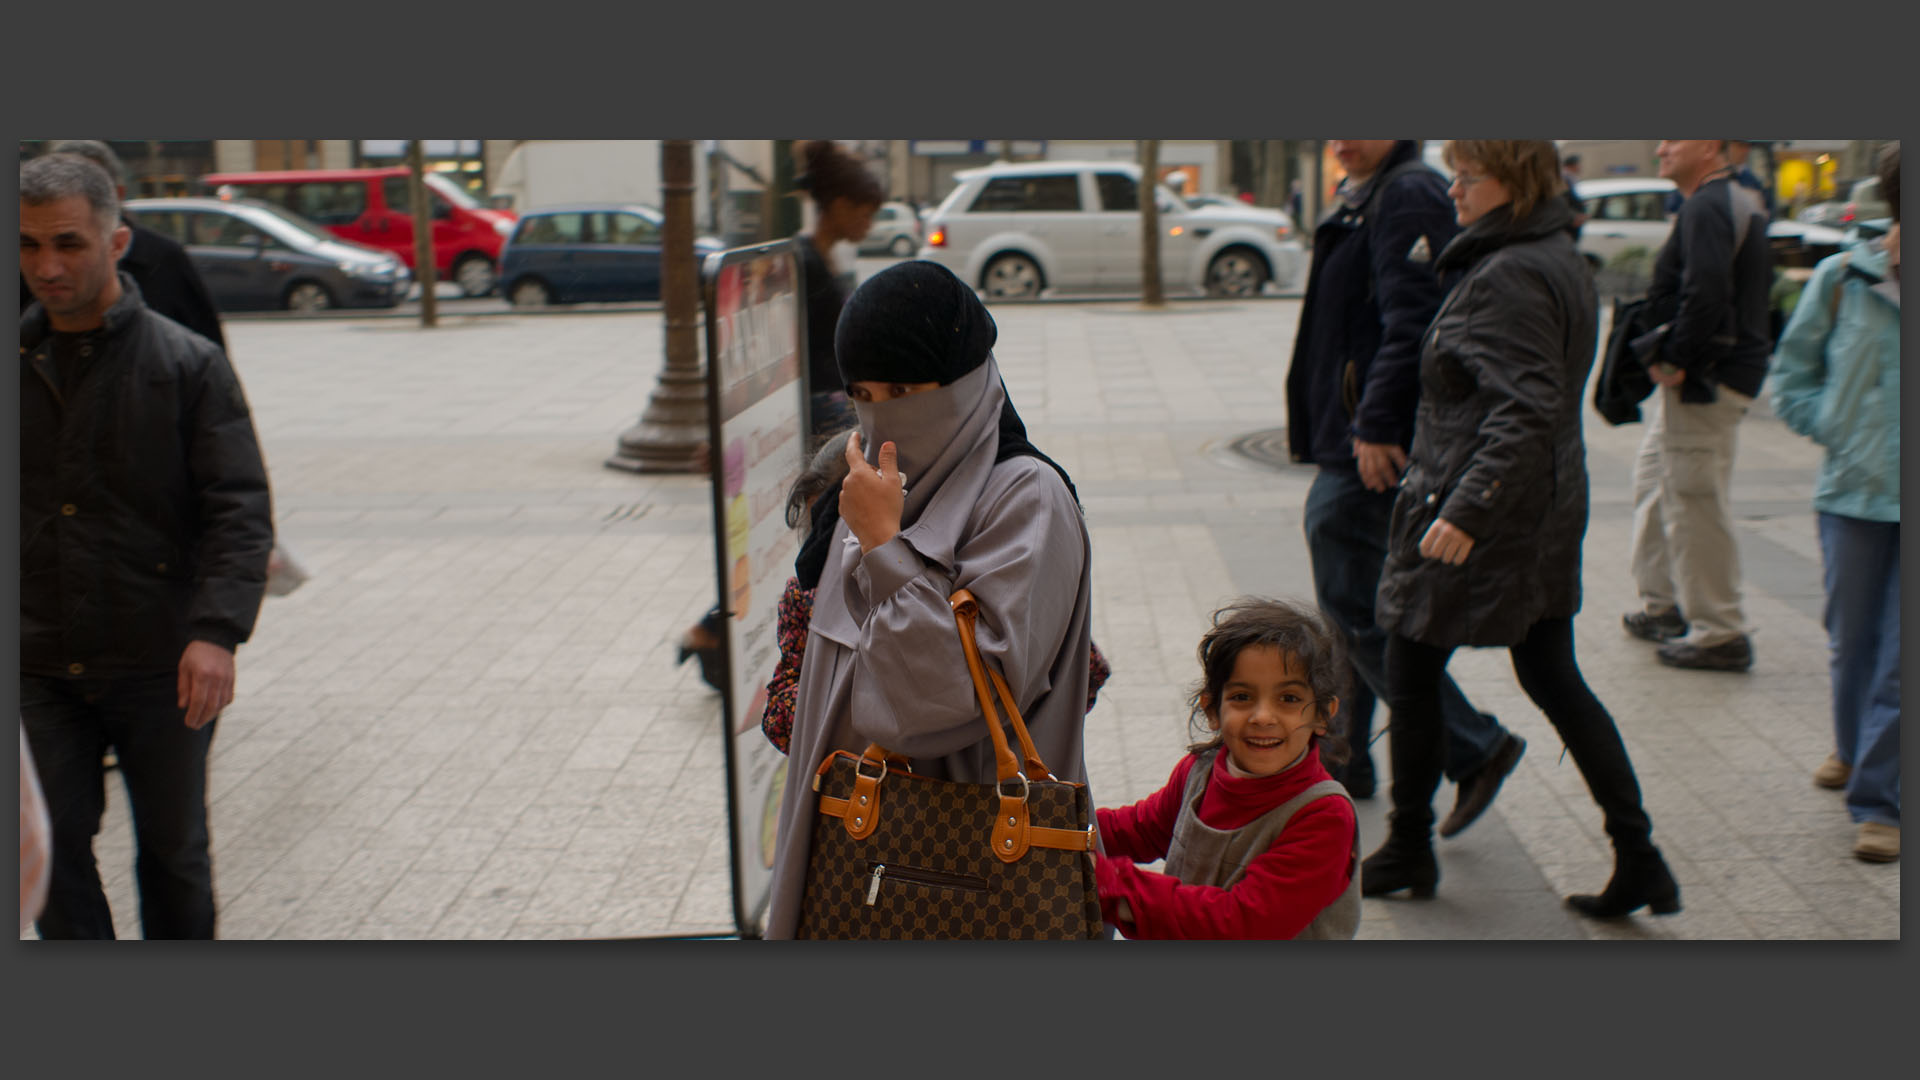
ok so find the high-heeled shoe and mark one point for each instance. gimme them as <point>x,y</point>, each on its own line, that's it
<point>712,625</point>
<point>1399,865</point>
<point>1638,881</point>
<point>709,661</point>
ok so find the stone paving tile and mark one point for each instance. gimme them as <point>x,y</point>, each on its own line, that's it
<point>546,931</point>
<point>487,917</point>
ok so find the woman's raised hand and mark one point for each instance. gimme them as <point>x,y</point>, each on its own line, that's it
<point>872,500</point>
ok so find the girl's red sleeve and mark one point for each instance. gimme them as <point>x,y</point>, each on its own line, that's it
<point>1306,869</point>
<point>1141,832</point>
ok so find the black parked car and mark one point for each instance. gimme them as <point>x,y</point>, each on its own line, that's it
<point>255,256</point>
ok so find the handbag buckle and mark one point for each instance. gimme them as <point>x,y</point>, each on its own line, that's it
<point>1024,788</point>
<point>863,761</point>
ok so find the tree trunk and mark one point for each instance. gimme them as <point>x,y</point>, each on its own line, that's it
<point>422,232</point>
<point>672,433</point>
<point>783,210</point>
<point>1151,294</point>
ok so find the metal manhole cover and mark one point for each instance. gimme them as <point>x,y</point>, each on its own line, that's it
<point>1266,448</point>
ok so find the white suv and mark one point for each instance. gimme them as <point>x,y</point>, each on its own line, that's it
<point>1017,230</point>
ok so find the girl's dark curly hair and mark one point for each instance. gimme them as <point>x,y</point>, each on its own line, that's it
<point>1299,631</point>
<point>827,468</point>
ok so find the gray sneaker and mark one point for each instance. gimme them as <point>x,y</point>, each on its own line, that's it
<point>1656,628</point>
<point>1734,655</point>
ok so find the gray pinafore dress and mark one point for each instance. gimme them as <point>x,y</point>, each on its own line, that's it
<point>1200,854</point>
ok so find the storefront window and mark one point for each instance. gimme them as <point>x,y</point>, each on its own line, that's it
<point>154,167</point>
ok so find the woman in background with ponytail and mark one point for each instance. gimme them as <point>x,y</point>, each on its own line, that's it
<point>845,197</point>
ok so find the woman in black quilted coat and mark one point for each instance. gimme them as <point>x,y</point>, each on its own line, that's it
<point>1484,545</point>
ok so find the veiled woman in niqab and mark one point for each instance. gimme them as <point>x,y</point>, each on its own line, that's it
<point>983,510</point>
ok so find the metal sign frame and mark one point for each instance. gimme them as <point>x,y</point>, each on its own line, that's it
<point>755,771</point>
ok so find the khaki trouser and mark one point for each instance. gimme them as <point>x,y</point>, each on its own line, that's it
<point>1684,554</point>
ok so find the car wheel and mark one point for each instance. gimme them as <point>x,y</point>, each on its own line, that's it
<point>474,275</point>
<point>1236,272</point>
<point>903,246</point>
<point>1012,277</point>
<point>530,293</point>
<point>307,296</point>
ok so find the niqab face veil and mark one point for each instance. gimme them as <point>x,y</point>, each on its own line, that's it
<point>916,322</point>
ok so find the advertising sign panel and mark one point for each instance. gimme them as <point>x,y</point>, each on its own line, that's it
<point>757,416</point>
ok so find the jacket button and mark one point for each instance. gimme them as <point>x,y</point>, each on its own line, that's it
<point>76,669</point>
<point>160,567</point>
<point>1432,497</point>
<point>69,510</point>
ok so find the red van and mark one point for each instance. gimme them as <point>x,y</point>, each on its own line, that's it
<point>370,206</point>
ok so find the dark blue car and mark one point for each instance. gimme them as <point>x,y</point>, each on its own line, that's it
<point>597,253</point>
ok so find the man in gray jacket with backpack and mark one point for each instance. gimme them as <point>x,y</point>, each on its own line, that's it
<point>1709,295</point>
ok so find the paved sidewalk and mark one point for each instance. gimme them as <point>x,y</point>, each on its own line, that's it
<point>468,723</point>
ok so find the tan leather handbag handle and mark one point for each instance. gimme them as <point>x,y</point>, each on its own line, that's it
<point>1012,833</point>
<point>966,610</point>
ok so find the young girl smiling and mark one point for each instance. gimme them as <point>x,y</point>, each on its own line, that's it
<point>1259,840</point>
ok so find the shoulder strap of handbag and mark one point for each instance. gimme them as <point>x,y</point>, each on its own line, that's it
<point>965,611</point>
<point>1006,767</point>
<point>1744,204</point>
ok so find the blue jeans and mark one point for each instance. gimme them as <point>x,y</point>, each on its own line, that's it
<point>70,724</point>
<point>1863,635</point>
<point>1347,540</point>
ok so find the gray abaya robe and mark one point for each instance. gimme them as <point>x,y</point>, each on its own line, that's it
<point>883,661</point>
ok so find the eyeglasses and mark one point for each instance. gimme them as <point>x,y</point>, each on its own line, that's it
<point>1468,180</point>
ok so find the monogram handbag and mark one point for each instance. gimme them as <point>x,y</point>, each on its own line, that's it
<point>897,855</point>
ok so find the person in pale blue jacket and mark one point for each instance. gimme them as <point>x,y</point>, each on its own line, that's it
<point>1836,380</point>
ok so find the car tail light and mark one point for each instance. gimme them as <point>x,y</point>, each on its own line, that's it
<point>1847,215</point>
<point>937,238</point>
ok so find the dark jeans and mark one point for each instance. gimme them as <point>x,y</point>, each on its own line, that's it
<point>70,724</point>
<point>1347,540</point>
<point>1550,676</point>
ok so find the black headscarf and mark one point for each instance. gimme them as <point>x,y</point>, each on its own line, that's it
<point>914,322</point>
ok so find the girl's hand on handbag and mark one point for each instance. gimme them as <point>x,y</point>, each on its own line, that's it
<point>872,500</point>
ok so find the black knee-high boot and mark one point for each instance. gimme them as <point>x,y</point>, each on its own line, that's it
<point>1550,676</point>
<point>1406,860</point>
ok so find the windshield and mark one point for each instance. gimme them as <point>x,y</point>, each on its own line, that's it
<point>452,192</point>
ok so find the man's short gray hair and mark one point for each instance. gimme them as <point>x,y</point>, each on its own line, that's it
<point>97,152</point>
<point>53,177</point>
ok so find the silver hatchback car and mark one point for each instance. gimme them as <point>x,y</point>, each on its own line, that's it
<point>255,256</point>
<point>896,231</point>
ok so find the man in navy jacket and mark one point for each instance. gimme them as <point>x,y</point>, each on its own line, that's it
<point>1351,395</point>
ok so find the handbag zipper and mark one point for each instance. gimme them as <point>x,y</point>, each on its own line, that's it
<point>932,879</point>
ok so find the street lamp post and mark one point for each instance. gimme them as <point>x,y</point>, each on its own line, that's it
<point>672,433</point>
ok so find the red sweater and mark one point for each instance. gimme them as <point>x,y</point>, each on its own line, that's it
<point>1283,890</point>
